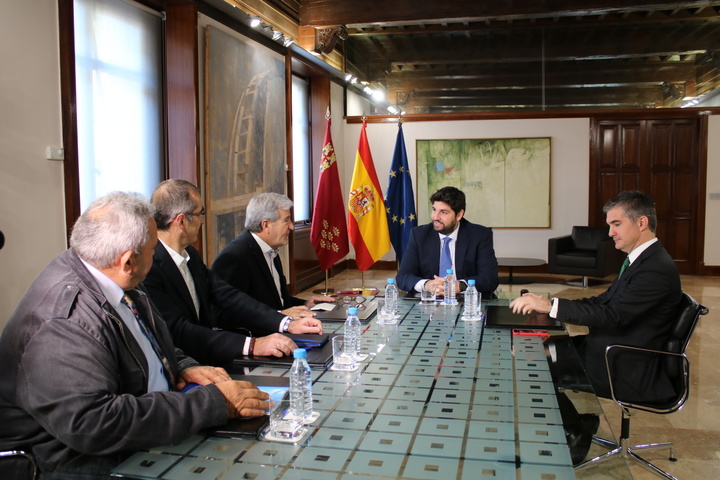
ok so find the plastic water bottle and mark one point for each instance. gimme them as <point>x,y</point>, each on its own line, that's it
<point>472,302</point>
<point>391,297</point>
<point>352,331</point>
<point>450,288</point>
<point>301,400</point>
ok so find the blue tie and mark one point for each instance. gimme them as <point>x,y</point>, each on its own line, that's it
<point>445,258</point>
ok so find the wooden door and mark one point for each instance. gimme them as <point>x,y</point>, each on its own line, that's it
<point>662,157</point>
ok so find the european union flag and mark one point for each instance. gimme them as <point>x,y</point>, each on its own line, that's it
<point>400,199</point>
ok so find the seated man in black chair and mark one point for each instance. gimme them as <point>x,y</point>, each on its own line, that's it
<point>638,309</point>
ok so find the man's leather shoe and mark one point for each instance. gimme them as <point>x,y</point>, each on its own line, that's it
<point>579,436</point>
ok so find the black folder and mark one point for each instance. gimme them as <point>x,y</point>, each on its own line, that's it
<point>319,353</point>
<point>502,316</point>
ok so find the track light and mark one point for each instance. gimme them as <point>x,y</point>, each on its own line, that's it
<point>255,22</point>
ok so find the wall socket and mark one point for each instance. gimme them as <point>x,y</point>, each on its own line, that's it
<point>55,153</point>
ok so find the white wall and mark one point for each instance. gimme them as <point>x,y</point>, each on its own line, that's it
<point>570,150</point>
<point>712,206</point>
<point>32,212</point>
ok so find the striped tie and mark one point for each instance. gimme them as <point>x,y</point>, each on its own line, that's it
<point>151,337</point>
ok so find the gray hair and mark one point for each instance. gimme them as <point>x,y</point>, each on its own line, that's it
<point>265,206</point>
<point>171,198</point>
<point>635,204</point>
<point>110,226</point>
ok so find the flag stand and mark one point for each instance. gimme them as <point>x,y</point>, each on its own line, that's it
<point>362,282</point>
<point>326,290</point>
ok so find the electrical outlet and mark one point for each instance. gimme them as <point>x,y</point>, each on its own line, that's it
<point>55,153</point>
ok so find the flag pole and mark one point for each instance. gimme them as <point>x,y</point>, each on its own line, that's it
<point>326,290</point>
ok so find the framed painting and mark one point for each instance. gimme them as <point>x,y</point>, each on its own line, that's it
<point>245,150</point>
<point>506,181</point>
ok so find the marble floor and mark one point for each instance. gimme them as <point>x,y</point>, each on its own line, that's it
<point>695,430</point>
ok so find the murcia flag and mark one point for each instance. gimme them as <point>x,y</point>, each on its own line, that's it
<point>328,232</point>
<point>367,219</point>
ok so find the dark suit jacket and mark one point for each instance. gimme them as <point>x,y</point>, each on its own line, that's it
<point>221,306</point>
<point>638,310</point>
<point>474,257</point>
<point>242,264</point>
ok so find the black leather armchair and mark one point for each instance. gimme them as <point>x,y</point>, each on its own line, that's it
<point>588,251</point>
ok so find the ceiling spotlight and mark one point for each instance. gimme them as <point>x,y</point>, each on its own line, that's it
<point>348,77</point>
<point>255,22</point>
<point>277,35</point>
<point>288,41</point>
<point>392,109</point>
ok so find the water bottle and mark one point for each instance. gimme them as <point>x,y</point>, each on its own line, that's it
<point>450,288</point>
<point>352,331</point>
<point>472,302</point>
<point>301,401</point>
<point>391,297</point>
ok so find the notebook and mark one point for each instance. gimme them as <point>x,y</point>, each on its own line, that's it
<point>339,313</point>
<point>502,316</point>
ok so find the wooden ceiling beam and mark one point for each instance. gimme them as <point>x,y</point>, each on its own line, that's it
<point>321,13</point>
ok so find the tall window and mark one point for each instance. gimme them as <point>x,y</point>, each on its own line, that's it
<point>118,62</point>
<point>302,180</point>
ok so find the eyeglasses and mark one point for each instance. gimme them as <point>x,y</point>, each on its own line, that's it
<point>348,302</point>
<point>201,213</point>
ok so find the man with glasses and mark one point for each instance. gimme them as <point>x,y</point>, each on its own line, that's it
<point>203,311</point>
<point>89,371</point>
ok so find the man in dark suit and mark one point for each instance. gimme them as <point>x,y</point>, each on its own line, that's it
<point>251,263</point>
<point>471,252</point>
<point>205,313</point>
<point>637,310</point>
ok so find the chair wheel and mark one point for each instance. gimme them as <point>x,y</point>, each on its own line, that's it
<point>673,459</point>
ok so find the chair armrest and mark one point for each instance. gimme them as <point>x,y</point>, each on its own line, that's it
<point>560,244</point>
<point>684,372</point>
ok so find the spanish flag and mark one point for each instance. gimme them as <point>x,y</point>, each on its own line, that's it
<point>367,217</point>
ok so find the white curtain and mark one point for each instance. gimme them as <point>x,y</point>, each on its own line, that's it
<point>118,60</point>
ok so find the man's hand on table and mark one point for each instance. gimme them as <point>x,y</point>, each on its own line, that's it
<point>529,303</point>
<point>202,375</point>
<point>243,399</point>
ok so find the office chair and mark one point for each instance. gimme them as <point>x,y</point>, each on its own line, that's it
<point>588,252</point>
<point>31,468</point>
<point>676,366</point>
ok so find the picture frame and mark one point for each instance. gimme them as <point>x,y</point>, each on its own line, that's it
<point>245,146</point>
<point>506,181</point>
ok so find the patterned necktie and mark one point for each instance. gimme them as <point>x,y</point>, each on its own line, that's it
<point>445,258</point>
<point>625,264</point>
<point>151,337</point>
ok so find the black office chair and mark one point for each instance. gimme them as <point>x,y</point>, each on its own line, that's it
<point>676,366</point>
<point>588,252</point>
<point>23,463</point>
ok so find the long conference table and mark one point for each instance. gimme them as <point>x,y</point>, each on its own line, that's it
<point>438,398</point>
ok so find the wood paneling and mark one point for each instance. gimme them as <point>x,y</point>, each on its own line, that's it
<point>181,65</point>
<point>662,157</point>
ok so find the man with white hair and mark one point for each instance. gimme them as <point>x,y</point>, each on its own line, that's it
<point>251,263</point>
<point>89,370</point>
